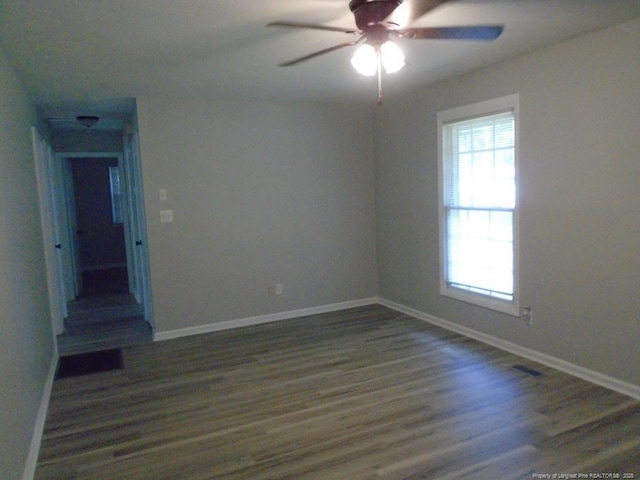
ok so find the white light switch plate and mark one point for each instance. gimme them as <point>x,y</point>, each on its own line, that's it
<point>166,216</point>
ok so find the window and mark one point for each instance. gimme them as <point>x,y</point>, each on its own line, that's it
<point>478,149</point>
<point>116,194</point>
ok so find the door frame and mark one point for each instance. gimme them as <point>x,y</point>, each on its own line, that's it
<point>133,222</point>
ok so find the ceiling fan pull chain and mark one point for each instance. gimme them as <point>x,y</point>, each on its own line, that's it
<point>379,79</point>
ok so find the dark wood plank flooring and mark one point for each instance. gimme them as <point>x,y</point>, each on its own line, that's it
<point>366,393</point>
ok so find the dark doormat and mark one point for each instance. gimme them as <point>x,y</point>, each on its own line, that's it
<point>91,362</point>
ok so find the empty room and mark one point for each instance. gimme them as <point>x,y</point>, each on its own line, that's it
<point>367,239</point>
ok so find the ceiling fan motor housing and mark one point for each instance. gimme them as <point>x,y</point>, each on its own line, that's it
<point>372,12</point>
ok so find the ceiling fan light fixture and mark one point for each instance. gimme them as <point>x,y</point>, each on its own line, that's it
<point>365,60</point>
<point>367,57</point>
<point>392,57</point>
<point>87,121</point>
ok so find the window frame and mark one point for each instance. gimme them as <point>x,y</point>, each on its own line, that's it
<point>460,114</point>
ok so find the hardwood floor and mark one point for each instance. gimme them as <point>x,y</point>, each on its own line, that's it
<point>367,393</point>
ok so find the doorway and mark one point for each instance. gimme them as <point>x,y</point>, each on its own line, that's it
<point>106,310</point>
<point>99,231</point>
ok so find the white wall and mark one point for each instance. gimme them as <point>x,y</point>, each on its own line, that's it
<point>262,193</point>
<point>579,195</point>
<point>26,339</point>
<point>86,141</point>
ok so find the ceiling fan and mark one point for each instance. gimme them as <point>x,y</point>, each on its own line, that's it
<point>377,22</point>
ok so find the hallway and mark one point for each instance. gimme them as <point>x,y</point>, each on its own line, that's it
<point>99,322</point>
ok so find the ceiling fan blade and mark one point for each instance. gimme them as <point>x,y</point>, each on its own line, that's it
<point>320,52</point>
<point>311,26</point>
<point>479,32</point>
<point>411,10</point>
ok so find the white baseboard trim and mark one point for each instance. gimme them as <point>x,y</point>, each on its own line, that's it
<point>41,418</point>
<point>567,367</point>
<point>257,320</point>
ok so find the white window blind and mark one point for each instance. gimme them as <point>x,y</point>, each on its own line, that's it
<point>116,194</point>
<point>478,207</point>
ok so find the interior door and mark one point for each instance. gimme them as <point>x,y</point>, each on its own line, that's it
<point>72,228</point>
<point>133,231</point>
<point>61,220</point>
<point>138,233</point>
<point>44,158</point>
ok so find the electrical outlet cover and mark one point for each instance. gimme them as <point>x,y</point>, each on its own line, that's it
<point>166,216</point>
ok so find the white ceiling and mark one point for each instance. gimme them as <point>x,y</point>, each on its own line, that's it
<point>77,57</point>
